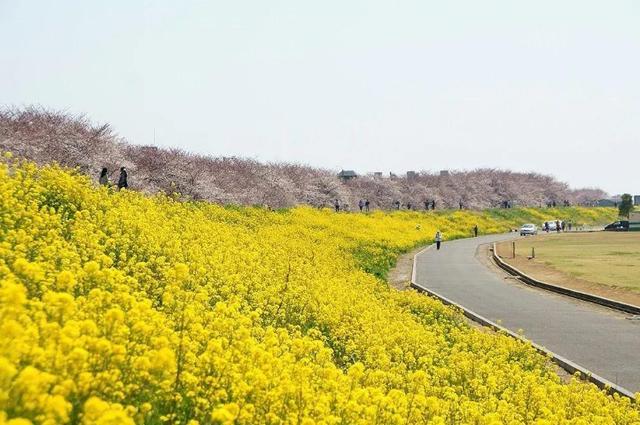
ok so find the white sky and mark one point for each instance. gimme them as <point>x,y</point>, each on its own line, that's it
<point>548,86</point>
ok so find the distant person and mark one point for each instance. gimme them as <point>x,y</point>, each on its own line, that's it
<point>433,204</point>
<point>426,205</point>
<point>546,226</point>
<point>475,231</point>
<point>104,178</point>
<point>438,239</point>
<point>122,181</point>
<point>361,204</point>
<point>460,204</point>
<point>558,228</point>
<point>569,226</point>
<point>366,205</point>
<point>408,205</point>
<point>336,205</point>
<point>564,226</point>
<point>397,204</point>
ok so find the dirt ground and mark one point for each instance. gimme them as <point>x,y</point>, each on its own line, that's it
<point>542,270</point>
<point>399,277</point>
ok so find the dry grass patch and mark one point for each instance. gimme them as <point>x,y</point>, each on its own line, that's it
<point>603,263</point>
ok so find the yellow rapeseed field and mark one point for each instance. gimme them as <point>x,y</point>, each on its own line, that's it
<point>121,308</point>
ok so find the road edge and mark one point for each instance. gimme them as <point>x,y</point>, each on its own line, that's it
<point>606,302</point>
<point>566,364</point>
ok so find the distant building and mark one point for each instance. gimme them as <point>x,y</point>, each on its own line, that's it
<point>377,174</point>
<point>411,175</point>
<point>636,200</point>
<point>444,173</point>
<point>345,175</point>
<point>606,203</point>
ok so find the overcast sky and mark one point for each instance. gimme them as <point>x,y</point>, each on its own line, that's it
<point>548,86</point>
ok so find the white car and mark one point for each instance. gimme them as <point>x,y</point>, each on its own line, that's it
<point>528,229</point>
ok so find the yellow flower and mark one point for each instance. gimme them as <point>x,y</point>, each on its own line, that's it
<point>117,307</point>
<point>99,412</point>
<point>66,281</point>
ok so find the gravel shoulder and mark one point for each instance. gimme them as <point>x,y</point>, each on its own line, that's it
<point>399,277</point>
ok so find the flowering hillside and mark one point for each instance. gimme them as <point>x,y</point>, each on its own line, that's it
<point>119,308</point>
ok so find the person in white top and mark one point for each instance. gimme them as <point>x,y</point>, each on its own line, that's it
<point>438,239</point>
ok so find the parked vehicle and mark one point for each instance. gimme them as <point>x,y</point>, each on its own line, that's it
<point>623,226</point>
<point>528,229</point>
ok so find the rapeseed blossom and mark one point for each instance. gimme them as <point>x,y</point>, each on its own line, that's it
<point>121,308</point>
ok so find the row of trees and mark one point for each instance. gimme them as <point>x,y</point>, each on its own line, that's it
<point>48,136</point>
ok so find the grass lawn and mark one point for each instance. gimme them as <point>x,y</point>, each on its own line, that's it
<point>607,263</point>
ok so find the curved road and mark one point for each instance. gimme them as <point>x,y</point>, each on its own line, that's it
<point>599,339</point>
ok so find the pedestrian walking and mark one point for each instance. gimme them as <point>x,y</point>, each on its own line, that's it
<point>558,228</point>
<point>366,205</point>
<point>336,205</point>
<point>104,178</point>
<point>397,204</point>
<point>426,205</point>
<point>361,204</point>
<point>408,205</point>
<point>122,181</point>
<point>438,239</point>
<point>475,231</point>
<point>433,204</point>
<point>564,226</point>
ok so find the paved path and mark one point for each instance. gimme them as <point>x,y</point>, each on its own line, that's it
<point>598,339</point>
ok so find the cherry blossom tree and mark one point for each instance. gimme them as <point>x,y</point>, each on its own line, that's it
<point>47,136</point>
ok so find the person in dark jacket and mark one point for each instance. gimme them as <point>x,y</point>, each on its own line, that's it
<point>122,181</point>
<point>361,204</point>
<point>475,231</point>
<point>104,178</point>
<point>336,205</point>
<point>366,205</point>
